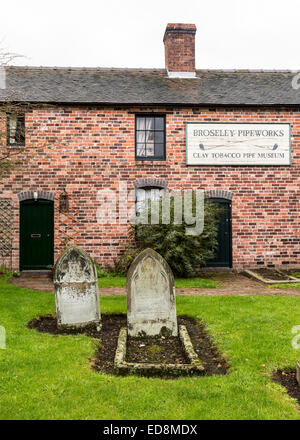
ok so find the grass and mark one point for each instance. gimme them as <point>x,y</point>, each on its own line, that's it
<point>285,286</point>
<point>200,283</point>
<point>288,285</point>
<point>49,377</point>
<point>112,281</point>
<point>180,283</point>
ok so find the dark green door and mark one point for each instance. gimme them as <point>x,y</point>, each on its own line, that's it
<point>223,256</point>
<point>36,234</point>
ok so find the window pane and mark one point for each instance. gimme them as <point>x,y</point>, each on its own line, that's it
<point>149,123</point>
<point>155,194</point>
<point>159,123</point>
<point>16,129</point>
<point>140,123</point>
<point>140,136</point>
<point>148,193</point>
<point>20,134</point>
<point>159,137</point>
<point>150,149</point>
<point>143,195</point>
<point>13,123</point>
<point>140,150</point>
<point>159,150</point>
<point>139,207</point>
<point>140,194</point>
<point>12,129</point>
<point>150,136</point>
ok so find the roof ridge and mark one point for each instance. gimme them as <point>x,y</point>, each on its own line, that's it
<point>135,69</point>
<point>249,70</point>
<point>154,69</point>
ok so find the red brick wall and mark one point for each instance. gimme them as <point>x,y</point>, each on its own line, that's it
<point>86,149</point>
<point>179,40</point>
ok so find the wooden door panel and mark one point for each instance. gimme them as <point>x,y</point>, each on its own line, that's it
<point>36,234</point>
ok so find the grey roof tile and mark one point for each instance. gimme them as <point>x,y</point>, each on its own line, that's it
<point>148,86</point>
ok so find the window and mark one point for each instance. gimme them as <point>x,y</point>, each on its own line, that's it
<point>150,143</point>
<point>144,194</point>
<point>16,130</point>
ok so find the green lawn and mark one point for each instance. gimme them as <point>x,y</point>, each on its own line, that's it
<point>180,283</point>
<point>285,286</point>
<point>49,377</point>
<point>110,281</point>
<point>288,285</point>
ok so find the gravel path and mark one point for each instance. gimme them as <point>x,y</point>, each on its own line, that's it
<point>230,284</point>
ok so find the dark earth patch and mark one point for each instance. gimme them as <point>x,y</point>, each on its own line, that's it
<point>287,378</point>
<point>157,350</point>
<point>290,272</point>
<point>270,274</point>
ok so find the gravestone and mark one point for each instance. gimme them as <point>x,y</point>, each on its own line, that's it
<point>76,289</point>
<point>151,304</point>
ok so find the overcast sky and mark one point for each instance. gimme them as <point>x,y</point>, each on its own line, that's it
<point>128,33</point>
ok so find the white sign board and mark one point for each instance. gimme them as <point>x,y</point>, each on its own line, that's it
<point>237,144</point>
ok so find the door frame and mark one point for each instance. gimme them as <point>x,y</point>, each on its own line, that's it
<point>23,202</point>
<point>229,207</point>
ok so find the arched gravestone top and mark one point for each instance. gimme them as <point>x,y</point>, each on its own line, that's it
<point>74,265</point>
<point>76,289</point>
<point>151,303</point>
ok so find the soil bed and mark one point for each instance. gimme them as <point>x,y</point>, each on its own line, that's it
<point>290,272</point>
<point>155,350</point>
<point>270,274</point>
<point>287,378</point>
<point>148,350</point>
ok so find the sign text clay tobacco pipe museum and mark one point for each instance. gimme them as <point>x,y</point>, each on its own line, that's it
<point>234,134</point>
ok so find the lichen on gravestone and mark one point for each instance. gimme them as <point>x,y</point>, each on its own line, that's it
<point>151,303</point>
<point>76,289</point>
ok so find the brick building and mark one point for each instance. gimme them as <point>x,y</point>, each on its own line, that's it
<point>87,129</point>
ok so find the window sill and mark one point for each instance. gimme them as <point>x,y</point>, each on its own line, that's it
<point>15,145</point>
<point>150,161</point>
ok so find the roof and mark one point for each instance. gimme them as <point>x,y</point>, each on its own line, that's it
<point>148,86</point>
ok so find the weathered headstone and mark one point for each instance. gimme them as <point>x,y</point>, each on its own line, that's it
<point>151,304</point>
<point>76,289</point>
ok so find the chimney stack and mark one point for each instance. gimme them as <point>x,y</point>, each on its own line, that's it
<point>179,40</point>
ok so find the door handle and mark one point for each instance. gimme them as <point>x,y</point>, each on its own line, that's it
<point>35,235</point>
